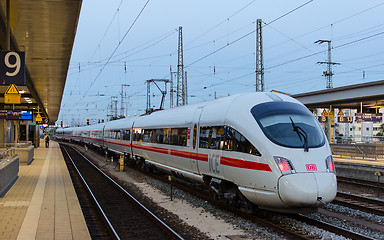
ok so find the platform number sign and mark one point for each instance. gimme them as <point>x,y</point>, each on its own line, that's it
<point>12,68</point>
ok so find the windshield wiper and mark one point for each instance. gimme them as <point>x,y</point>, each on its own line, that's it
<point>301,133</point>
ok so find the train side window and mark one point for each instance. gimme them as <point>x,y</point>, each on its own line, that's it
<point>204,137</point>
<point>137,135</point>
<point>158,136</point>
<point>174,138</point>
<point>167,136</point>
<point>212,139</point>
<point>218,138</point>
<point>183,132</point>
<point>235,141</point>
<point>179,136</point>
<point>147,135</point>
<point>245,146</point>
<point>229,143</point>
<point>152,136</point>
<point>125,134</point>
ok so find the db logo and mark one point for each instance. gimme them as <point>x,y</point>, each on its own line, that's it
<point>311,167</point>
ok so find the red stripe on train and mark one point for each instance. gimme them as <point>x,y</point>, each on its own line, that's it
<point>232,162</point>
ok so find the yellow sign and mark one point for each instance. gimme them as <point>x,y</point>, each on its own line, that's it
<point>121,162</point>
<point>12,89</point>
<point>340,113</point>
<point>331,113</point>
<point>12,95</point>
<point>38,118</point>
<point>324,113</point>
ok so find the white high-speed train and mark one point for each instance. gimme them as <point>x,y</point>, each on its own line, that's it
<point>266,147</point>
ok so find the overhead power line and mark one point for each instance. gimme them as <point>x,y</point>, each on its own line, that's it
<point>105,33</point>
<point>246,35</point>
<point>118,45</point>
<point>222,22</point>
<point>332,24</point>
<point>359,40</point>
<point>316,53</point>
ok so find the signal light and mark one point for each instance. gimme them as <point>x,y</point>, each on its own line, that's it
<point>87,121</point>
<point>61,123</point>
<point>284,165</point>
<point>329,164</point>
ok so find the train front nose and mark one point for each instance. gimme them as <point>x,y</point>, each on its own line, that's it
<point>307,189</point>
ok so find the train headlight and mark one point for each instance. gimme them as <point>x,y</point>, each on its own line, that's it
<point>285,165</point>
<point>329,164</point>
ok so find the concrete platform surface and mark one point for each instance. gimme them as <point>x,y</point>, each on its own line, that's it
<point>42,204</point>
<point>359,168</point>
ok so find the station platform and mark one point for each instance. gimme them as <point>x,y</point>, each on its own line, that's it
<point>359,168</point>
<point>42,204</point>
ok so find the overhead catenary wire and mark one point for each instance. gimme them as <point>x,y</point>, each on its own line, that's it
<point>310,55</point>
<point>114,51</point>
<point>236,70</point>
<point>123,59</point>
<point>316,53</point>
<point>220,23</point>
<point>106,31</point>
<point>248,34</point>
<point>332,24</point>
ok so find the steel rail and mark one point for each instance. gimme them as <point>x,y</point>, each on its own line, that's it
<point>363,203</point>
<point>158,220</point>
<point>112,229</point>
<point>360,182</point>
<point>331,228</point>
<point>267,223</point>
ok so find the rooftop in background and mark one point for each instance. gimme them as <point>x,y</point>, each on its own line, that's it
<point>365,95</point>
<point>45,30</point>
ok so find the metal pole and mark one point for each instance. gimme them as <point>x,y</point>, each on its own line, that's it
<point>180,71</point>
<point>8,25</point>
<point>329,79</point>
<point>185,102</point>
<point>148,95</point>
<point>259,58</point>
<point>171,89</point>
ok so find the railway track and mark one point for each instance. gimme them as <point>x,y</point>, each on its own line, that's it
<point>374,186</point>
<point>331,228</point>
<point>263,218</point>
<point>268,219</point>
<point>364,204</point>
<point>125,216</point>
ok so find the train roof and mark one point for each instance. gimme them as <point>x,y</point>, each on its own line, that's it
<point>216,110</point>
<point>182,115</point>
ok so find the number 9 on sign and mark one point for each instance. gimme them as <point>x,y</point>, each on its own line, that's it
<point>15,66</point>
<point>12,68</point>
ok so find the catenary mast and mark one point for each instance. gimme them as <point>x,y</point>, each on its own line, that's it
<point>181,91</point>
<point>259,58</point>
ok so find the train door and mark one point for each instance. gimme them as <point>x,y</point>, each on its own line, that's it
<point>103,137</point>
<point>131,140</point>
<point>195,141</point>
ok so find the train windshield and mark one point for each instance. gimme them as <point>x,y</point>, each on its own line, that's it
<point>289,124</point>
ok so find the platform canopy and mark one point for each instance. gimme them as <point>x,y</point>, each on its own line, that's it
<point>365,95</point>
<point>45,30</point>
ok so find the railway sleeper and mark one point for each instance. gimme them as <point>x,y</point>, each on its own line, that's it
<point>223,191</point>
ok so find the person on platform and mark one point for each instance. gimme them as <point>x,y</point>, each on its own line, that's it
<point>46,140</point>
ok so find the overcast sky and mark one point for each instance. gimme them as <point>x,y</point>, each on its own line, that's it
<point>112,49</point>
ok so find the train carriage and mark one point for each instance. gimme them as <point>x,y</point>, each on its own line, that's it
<point>266,146</point>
